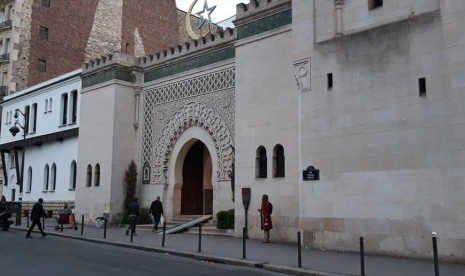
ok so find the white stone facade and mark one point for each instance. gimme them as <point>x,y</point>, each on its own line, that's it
<point>370,96</point>
<point>390,158</point>
<point>50,143</point>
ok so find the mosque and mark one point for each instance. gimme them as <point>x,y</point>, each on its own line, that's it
<point>349,115</point>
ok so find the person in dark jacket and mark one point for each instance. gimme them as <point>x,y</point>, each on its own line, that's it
<point>2,204</point>
<point>37,213</point>
<point>156,208</point>
<point>133,212</point>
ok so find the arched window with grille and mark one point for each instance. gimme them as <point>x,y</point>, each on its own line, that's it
<point>53,177</point>
<point>29,179</point>
<point>97,175</point>
<point>278,161</point>
<point>260,163</point>
<point>72,176</point>
<point>89,176</point>
<point>46,178</point>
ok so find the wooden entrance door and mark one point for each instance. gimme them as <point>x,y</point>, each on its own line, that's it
<point>192,177</point>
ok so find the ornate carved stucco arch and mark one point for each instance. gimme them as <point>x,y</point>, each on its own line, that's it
<point>200,115</point>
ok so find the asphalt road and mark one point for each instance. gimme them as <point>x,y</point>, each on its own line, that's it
<point>65,257</point>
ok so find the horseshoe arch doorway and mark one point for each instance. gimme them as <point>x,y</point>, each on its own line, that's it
<point>197,190</point>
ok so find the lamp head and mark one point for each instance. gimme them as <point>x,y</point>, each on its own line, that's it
<point>14,130</point>
<point>16,114</point>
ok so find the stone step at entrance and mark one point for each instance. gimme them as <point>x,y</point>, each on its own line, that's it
<point>208,228</point>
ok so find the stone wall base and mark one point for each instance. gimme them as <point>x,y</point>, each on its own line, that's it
<point>52,208</point>
<point>398,238</point>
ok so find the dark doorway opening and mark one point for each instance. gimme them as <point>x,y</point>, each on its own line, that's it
<point>192,174</point>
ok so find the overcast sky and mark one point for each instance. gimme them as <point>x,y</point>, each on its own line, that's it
<point>224,8</point>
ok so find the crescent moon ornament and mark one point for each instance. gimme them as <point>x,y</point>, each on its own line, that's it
<point>189,29</point>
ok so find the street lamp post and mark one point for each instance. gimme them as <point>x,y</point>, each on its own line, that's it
<point>15,130</point>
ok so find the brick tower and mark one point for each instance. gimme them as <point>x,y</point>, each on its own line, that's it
<point>56,37</point>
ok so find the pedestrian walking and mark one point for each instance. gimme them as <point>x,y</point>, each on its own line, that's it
<point>3,204</point>
<point>265,216</point>
<point>37,213</point>
<point>156,208</point>
<point>133,212</point>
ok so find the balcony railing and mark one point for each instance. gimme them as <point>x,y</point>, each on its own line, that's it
<point>4,57</point>
<point>5,25</point>
<point>3,90</point>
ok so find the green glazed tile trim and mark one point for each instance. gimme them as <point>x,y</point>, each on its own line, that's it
<point>207,59</point>
<point>265,24</point>
<point>112,74</point>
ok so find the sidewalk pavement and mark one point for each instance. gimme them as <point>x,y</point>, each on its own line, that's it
<point>274,256</point>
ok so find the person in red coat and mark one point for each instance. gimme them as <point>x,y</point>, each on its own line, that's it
<point>265,215</point>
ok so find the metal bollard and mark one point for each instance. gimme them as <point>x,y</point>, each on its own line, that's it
<point>43,222</point>
<point>18,217</point>
<point>27,219</point>
<point>61,228</point>
<point>163,239</point>
<point>362,258</point>
<point>299,249</point>
<point>105,229</point>
<point>435,254</point>
<point>244,237</point>
<point>200,238</point>
<point>82,225</point>
<point>131,225</point>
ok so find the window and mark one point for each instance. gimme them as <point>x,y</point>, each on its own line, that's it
<point>422,87</point>
<point>33,119</point>
<point>64,109</point>
<point>8,12</point>
<point>12,160</point>
<point>7,46</point>
<point>97,175</point>
<point>46,3</point>
<point>4,78</point>
<point>72,174</point>
<point>43,33</point>
<point>146,173</point>
<point>50,105</point>
<point>53,178</point>
<point>374,4</point>
<point>89,176</point>
<point>46,178</point>
<point>330,81</point>
<point>27,120</point>
<point>73,104</point>
<point>42,65</point>
<point>29,179</point>
<point>278,161</point>
<point>46,106</point>
<point>260,166</point>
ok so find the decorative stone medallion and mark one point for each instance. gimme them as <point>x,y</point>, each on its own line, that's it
<point>302,74</point>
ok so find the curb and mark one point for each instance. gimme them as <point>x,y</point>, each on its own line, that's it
<point>198,256</point>
<point>298,271</point>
